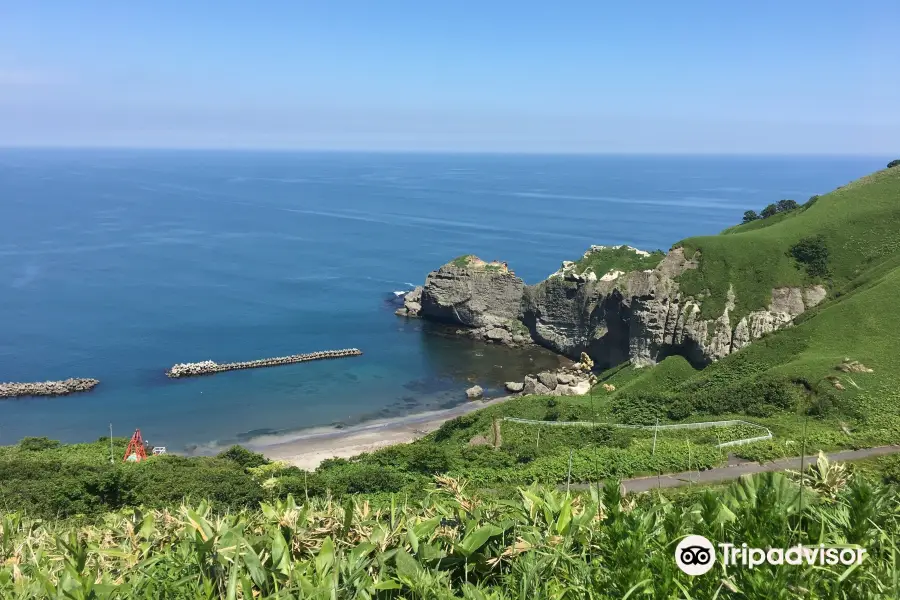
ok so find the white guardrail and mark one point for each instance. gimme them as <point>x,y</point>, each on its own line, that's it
<point>702,425</point>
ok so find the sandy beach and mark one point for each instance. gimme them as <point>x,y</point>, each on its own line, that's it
<point>307,449</point>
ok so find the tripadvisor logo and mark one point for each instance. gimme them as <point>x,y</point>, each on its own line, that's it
<point>695,555</point>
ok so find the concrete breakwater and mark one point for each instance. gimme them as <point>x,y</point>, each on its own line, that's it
<point>208,367</point>
<point>46,388</point>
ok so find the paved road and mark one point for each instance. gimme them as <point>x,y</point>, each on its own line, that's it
<point>643,484</point>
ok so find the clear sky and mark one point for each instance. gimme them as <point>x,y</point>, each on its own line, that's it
<point>792,76</point>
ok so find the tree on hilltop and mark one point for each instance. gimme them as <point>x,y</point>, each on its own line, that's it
<point>786,205</point>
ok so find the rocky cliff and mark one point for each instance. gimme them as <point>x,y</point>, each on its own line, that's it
<point>639,314</point>
<point>484,297</point>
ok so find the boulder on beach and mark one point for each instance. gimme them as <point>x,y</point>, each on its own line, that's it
<point>475,392</point>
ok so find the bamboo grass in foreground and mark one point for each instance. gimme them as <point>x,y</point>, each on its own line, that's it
<point>543,545</point>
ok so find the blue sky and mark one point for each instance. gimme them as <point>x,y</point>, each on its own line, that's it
<point>652,76</point>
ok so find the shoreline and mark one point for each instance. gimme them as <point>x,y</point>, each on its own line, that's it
<point>308,448</point>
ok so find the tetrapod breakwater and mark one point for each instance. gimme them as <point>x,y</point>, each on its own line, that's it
<point>47,388</point>
<point>208,367</point>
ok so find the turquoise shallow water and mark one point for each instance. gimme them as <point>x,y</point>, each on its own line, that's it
<point>117,264</point>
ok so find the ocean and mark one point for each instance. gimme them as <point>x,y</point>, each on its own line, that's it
<point>116,264</point>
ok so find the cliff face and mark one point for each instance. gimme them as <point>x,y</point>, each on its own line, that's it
<point>640,315</point>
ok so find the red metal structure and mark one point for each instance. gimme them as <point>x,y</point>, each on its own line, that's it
<point>135,451</point>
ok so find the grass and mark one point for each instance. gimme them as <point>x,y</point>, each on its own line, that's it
<point>858,222</point>
<point>604,259</point>
<point>666,375</point>
<point>470,261</point>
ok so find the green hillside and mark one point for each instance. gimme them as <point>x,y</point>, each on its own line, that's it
<point>802,365</point>
<point>859,224</point>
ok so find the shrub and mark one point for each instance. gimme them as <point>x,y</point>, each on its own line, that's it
<point>820,406</point>
<point>679,409</point>
<point>428,460</point>
<point>890,468</point>
<point>448,428</point>
<point>756,397</point>
<point>52,487</point>
<point>640,408</point>
<point>488,458</point>
<point>812,253</point>
<point>48,487</point>
<point>242,456</point>
<point>359,478</point>
<point>167,480</point>
<point>893,163</point>
<point>761,410</point>
<point>36,444</point>
<point>750,215</point>
<point>769,211</point>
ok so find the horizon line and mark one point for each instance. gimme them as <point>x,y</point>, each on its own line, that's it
<point>428,151</point>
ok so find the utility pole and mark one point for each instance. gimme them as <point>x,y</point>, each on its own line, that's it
<point>111,460</point>
<point>593,412</point>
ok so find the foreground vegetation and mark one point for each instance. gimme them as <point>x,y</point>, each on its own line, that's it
<point>544,544</point>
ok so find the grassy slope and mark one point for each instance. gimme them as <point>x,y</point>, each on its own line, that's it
<point>859,222</point>
<point>860,321</point>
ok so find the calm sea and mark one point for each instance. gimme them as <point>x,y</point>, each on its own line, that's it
<point>117,264</point>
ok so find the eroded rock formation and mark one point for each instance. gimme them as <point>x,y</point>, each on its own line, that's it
<point>640,315</point>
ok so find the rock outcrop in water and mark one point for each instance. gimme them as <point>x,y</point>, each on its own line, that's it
<point>412,303</point>
<point>486,298</point>
<point>639,315</point>
<point>47,388</point>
